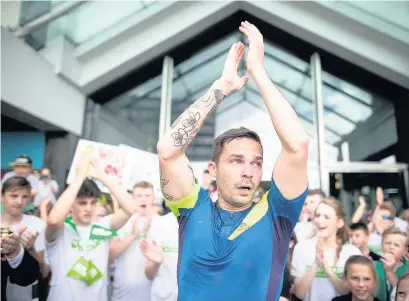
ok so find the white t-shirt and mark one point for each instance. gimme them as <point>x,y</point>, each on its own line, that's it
<point>303,230</point>
<point>130,282</point>
<point>166,234</point>
<point>45,190</point>
<point>375,243</point>
<point>34,224</point>
<point>64,252</point>
<point>303,258</point>
<point>401,224</point>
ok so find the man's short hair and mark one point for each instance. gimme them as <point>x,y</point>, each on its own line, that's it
<point>15,183</point>
<point>359,226</point>
<point>229,136</point>
<point>89,189</point>
<point>396,231</point>
<point>388,207</point>
<point>143,184</point>
<point>319,192</point>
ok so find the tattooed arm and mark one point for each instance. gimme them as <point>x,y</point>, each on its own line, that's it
<point>176,174</point>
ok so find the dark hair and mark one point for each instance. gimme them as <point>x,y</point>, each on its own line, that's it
<point>206,172</point>
<point>360,259</point>
<point>359,226</point>
<point>15,183</point>
<point>89,189</point>
<point>316,192</point>
<point>229,136</point>
<point>49,169</point>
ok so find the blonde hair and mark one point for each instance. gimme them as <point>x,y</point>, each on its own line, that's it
<point>396,231</point>
<point>342,233</point>
<point>143,184</point>
<point>388,207</point>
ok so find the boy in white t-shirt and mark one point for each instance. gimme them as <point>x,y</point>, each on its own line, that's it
<point>130,282</point>
<point>162,258</point>
<point>305,229</point>
<point>383,219</point>
<point>15,195</point>
<point>77,247</point>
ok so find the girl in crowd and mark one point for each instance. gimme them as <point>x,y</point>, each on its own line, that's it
<point>318,263</point>
<point>360,275</point>
<point>402,291</point>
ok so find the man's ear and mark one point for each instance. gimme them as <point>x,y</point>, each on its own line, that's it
<point>212,168</point>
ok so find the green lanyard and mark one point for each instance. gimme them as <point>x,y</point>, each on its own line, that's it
<point>97,232</point>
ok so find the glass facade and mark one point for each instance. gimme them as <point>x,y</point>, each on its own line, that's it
<point>346,106</point>
<point>349,111</point>
<point>89,24</point>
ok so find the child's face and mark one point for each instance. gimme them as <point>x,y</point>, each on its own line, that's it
<point>361,281</point>
<point>395,244</point>
<point>402,292</point>
<point>359,238</point>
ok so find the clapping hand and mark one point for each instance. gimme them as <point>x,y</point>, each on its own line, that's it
<point>319,254</point>
<point>255,58</point>
<point>230,80</point>
<point>10,244</point>
<point>152,251</point>
<point>28,239</point>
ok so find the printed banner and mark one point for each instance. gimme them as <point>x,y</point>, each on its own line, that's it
<point>141,166</point>
<point>112,159</point>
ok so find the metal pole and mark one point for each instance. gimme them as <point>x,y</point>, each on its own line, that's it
<point>166,95</point>
<point>319,122</point>
<point>59,11</point>
<point>406,184</point>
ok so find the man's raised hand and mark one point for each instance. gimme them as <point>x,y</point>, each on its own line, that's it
<point>230,80</point>
<point>255,58</point>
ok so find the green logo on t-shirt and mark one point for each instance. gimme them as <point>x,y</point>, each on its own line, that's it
<point>322,274</point>
<point>85,270</point>
<point>79,245</point>
<point>170,249</point>
<point>98,232</point>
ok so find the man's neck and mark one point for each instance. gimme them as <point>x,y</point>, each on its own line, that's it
<point>79,224</point>
<point>225,206</point>
<point>329,242</point>
<point>8,220</point>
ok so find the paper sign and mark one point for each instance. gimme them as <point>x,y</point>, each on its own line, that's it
<point>111,157</point>
<point>141,166</point>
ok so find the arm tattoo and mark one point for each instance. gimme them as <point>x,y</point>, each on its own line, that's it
<point>163,183</point>
<point>190,125</point>
<point>193,174</point>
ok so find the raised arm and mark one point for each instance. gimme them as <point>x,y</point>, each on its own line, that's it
<point>62,207</point>
<point>121,216</point>
<point>290,171</point>
<point>176,174</point>
<point>360,210</point>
